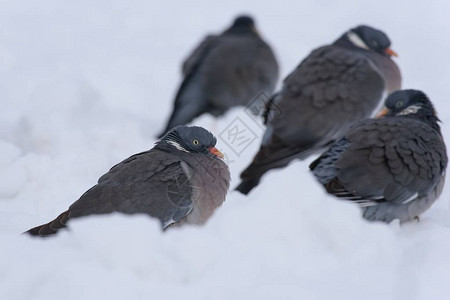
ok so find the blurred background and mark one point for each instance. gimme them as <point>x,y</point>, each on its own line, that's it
<point>85,84</point>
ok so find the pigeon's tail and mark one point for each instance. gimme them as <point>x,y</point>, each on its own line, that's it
<point>252,175</point>
<point>247,185</point>
<point>259,166</point>
<point>51,227</point>
<point>170,124</point>
<point>182,116</point>
<point>273,156</point>
<point>190,102</point>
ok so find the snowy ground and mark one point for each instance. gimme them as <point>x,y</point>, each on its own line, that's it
<point>85,84</point>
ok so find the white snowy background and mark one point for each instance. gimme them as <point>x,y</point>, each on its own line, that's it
<point>85,84</point>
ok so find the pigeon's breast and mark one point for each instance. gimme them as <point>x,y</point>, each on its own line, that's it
<point>210,181</point>
<point>389,70</point>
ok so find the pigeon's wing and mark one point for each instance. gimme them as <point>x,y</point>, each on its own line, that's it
<point>324,167</point>
<point>155,182</point>
<point>248,71</point>
<point>391,159</point>
<point>190,101</point>
<point>199,53</point>
<point>332,88</point>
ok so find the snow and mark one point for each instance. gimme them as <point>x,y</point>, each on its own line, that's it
<point>85,84</point>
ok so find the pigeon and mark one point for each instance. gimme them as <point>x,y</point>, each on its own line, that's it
<point>393,166</point>
<point>224,71</point>
<point>181,180</point>
<point>333,87</point>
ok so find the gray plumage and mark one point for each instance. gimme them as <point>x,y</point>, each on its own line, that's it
<point>394,167</point>
<point>226,70</point>
<point>176,181</point>
<point>333,87</point>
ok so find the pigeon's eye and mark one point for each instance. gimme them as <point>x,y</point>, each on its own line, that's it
<point>398,104</point>
<point>195,142</point>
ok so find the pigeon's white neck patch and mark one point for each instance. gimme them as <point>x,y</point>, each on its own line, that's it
<point>413,109</point>
<point>356,40</point>
<point>176,145</point>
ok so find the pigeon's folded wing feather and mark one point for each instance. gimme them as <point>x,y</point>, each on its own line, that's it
<point>151,182</point>
<point>199,53</point>
<point>330,89</point>
<point>389,160</point>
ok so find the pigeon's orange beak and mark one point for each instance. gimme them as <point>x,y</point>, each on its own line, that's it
<point>215,151</point>
<point>390,52</point>
<point>382,113</point>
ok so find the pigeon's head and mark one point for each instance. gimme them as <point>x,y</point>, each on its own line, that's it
<point>407,102</point>
<point>192,139</point>
<point>371,39</point>
<point>244,21</point>
<point>242,25</point>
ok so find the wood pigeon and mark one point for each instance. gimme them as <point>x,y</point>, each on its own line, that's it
<point>181,180</point>
<point>224,71</point>
<point>394,166</point>
<point>333,87</point>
